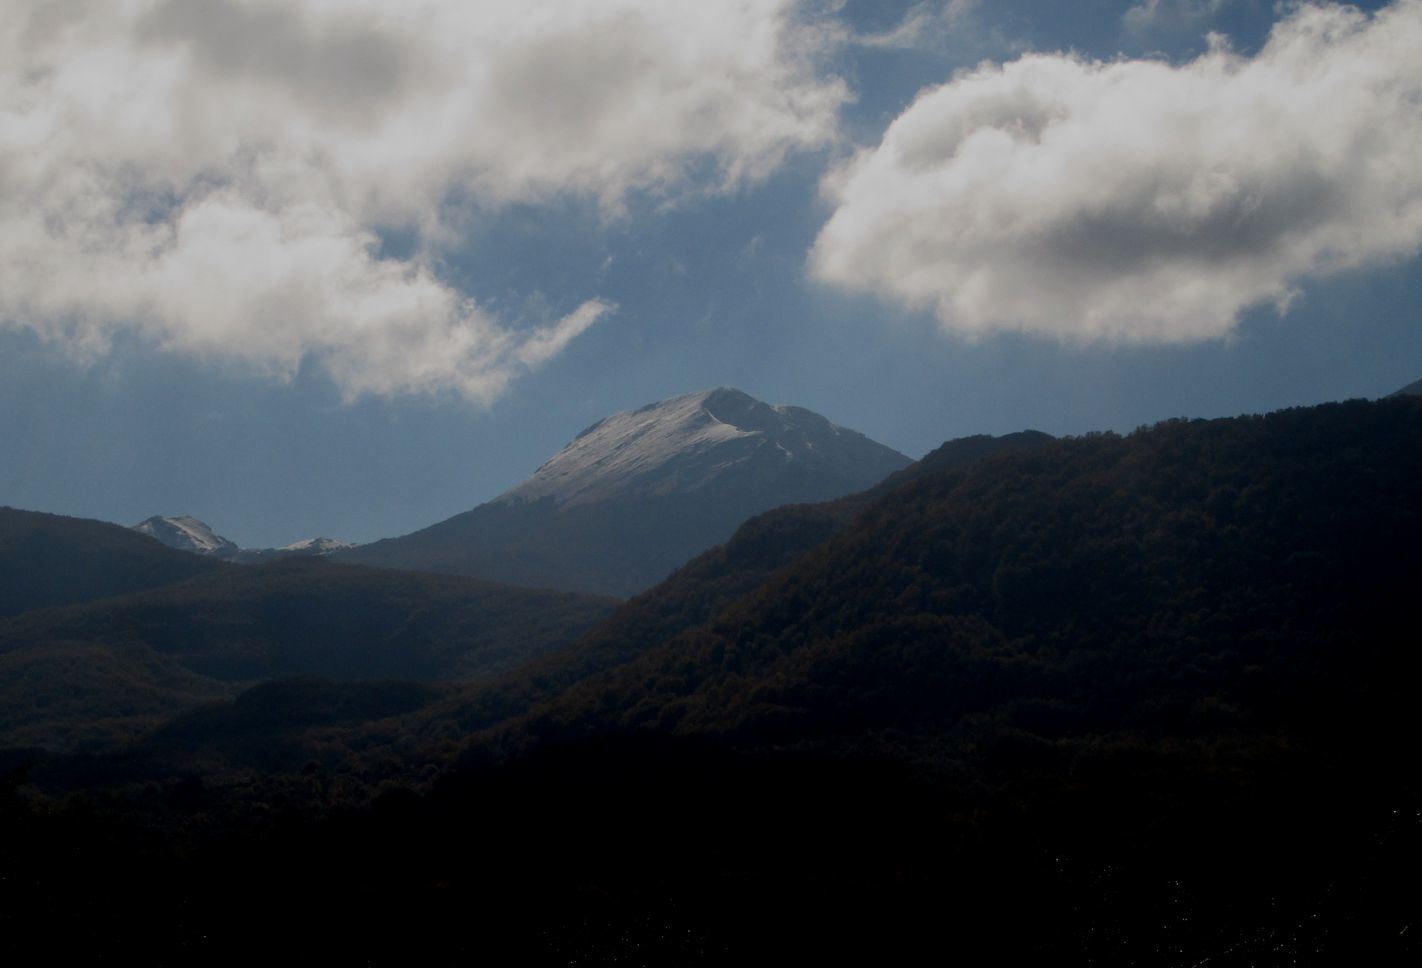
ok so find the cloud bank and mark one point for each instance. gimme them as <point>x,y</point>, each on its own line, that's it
<point>214,175</point>
<point>1136,200</point>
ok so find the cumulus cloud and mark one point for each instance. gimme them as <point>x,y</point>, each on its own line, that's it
<point>1138,200</point>
<point>215,175</point>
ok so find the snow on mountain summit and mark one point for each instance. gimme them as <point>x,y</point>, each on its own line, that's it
<point>316,546</point>
<point>186,533</point>
<point>641,492</point>
<point>685,444</point>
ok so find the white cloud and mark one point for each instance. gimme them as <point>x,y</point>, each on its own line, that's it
<point>1154,17</point>
<point>1138,200</point>
<point>213,174</point>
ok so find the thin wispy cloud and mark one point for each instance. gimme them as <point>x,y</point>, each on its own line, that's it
<point>1152,18</point>
<point>1136,200</point>
<point>926,24</point>
<point>215,175</point>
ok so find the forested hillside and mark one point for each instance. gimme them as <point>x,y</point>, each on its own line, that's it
<point>47,559</point>
<point>712,582</point>
<point>93,674</point>
<point>1246,573</point>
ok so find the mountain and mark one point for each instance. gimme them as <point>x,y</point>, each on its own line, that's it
<point>48,559</point>
<point>1065,590</point>
<point>639,493</point>
<point>315,546</point>
<point>1100,701</point>
<point>187,533</point>
<point>702,442</point>
<point>721,576</point>
<point>90,674</point>
<point>1411,390</point>
<point>1141,700</point>
<point>1110,683</point>
<point>305,548</point>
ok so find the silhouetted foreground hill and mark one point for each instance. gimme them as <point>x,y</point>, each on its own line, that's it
<point>97,672</point>
<point>1107,701</point>
<point>47,559</point>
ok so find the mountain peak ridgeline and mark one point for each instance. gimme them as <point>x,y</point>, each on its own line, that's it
<point>187,533</point>
<point>691,443</point>
<point>184,532</point>
<point>641,491</point>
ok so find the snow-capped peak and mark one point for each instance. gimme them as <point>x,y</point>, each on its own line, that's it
<point>317,546</point>
<point>186,533</point>
<point>683,444</point>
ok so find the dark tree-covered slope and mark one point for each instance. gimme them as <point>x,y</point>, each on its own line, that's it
<point>47,559</point>
<point>1193,577</point>
<point>77,669</point>
<point>718,578</point>
<point>956,453</point>
<point>76,695</point>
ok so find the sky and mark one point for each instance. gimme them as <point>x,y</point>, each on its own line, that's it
<point>349,267</point>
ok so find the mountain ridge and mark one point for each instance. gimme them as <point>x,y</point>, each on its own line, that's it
<point>1147,699</point>
<point>49,560</point>
<point>184,532</point>
<point>640,492</point>
<point>985,588</point>
<point>703,434</point>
